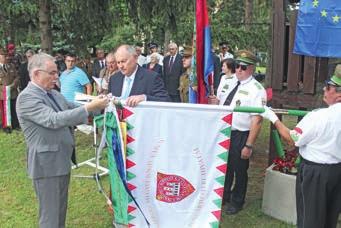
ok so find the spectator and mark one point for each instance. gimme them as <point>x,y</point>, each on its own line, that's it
<point>73,79</point>
<point>23,72</point>
<point>142,60</point>
<point>172,70</point>
<point>153,48</point>
<point>153,65</point>
<point>107,72</point>
<point>225,51</point>
<point>99,62</point>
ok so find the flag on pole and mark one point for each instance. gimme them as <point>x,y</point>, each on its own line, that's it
<point>177,177</point>
<point>204,62</point>
<point>318,30</point>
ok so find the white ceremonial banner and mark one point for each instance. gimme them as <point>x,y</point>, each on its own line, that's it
<point>176,163</point>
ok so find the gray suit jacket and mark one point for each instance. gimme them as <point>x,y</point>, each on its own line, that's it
<point>49,139</point>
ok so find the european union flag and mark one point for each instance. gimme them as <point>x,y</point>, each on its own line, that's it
<point>318,31</point>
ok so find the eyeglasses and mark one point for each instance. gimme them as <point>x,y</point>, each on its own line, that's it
<point>243,67</point>
<point>51,73</point>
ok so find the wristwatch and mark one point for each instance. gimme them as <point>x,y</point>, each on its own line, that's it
<point>248,146</point>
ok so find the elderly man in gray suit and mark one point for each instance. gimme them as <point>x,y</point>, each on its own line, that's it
<point>47,121</point>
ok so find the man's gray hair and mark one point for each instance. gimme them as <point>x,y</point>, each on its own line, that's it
<point>38,61</point>
<point>131,49</point>
<point>30,51</point>
<point>110,55</point>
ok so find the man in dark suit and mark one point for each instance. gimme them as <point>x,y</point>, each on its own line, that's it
<point>23,72</point>
<point>172,70</point>
<point>47,121</point>
<point>134,83</point>
<point>99,62</point>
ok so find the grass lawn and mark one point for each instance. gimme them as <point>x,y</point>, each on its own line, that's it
<point>87,207</point>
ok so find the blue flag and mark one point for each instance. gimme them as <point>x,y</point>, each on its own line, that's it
<point>318,31</point>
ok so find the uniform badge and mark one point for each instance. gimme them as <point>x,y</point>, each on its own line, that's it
<point>226,87</point>
<point>243,92</point>
<point>238,103</point>
<point>296,134</point>
<point>172,188</point>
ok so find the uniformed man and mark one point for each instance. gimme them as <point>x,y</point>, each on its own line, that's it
<point>241,90</point>
<point>184,78</point>
<point>187,80</point>
<point>225,52</point>
<point>8,77</point>
<point>318,136</point>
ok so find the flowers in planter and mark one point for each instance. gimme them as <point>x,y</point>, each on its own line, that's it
<point>287,163</point>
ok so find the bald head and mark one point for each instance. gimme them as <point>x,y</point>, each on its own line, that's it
<point>126,58</point>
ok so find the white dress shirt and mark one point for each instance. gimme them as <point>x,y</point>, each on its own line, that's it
<point>318,135</point>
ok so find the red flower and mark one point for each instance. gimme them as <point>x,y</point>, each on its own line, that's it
<point>286,164</point>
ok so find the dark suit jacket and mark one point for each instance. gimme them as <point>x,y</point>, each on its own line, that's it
<point>24,76</point>
<point>171,75</point>
<point>217,71</point>
<point>96,68</point>
<point>157,68</point>
<point>146,82</point>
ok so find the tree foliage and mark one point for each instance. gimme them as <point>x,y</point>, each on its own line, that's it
<point>79,24</point>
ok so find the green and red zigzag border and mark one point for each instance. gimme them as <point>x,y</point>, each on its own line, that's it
<point>222,168</point>
<point>129,164</point>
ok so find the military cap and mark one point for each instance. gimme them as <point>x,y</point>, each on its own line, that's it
<point>3,51</point>
<point>336,78</point>
<point>247,57</point>
<point>223,44</point>
<point>152,45</point>
<point>188,51</point>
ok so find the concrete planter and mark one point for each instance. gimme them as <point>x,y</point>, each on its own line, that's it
<point>279,199</point>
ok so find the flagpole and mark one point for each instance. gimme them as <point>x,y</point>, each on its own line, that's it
<point>83,98</point>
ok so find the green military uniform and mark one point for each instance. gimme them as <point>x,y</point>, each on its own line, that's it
<point>184,86</point>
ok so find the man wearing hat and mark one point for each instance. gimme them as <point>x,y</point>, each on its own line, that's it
<point>224,51</point>
<point>241,90</point>
<point>153,48</point>
<point>8,77</point>
<point>185,77</point>
<point>318,136</point>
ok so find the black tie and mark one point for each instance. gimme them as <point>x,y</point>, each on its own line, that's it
<point>54,101</point>
<point>73,156</point>
<point>231,95</point>
<point>171,62</point>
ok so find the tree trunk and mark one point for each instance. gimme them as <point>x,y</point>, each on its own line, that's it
<point>45,25</point>
<point>248,13</point>
<point>167,40</point>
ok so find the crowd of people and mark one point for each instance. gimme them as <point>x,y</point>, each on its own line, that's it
<point>47,112</point>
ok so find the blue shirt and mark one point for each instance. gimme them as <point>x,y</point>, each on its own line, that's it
<point>72,81</point>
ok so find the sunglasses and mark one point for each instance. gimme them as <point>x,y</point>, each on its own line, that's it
<point>243,67</point>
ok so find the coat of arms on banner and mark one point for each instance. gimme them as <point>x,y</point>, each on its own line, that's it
<point>172,188</point>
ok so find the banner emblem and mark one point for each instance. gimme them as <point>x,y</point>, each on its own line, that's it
<point>172,188</point>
